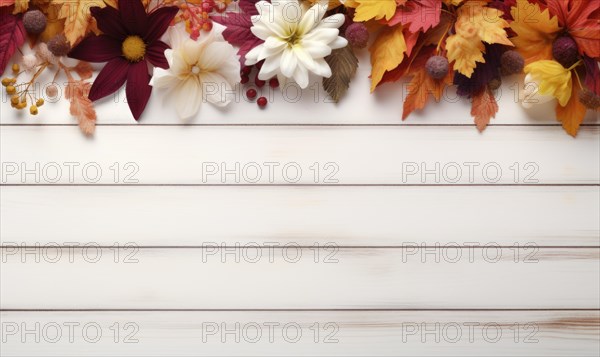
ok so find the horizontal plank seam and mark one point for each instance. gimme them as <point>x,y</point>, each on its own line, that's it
<point>293,185</point>
<point>305,310</point>
<point>583,247</point>
<point>292,124</point>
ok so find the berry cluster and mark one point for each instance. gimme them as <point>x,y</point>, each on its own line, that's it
<point>196,14</point>
<point>251,93</point>
<point>19,94</point>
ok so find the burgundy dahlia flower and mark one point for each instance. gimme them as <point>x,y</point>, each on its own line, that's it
<point>130,39</point>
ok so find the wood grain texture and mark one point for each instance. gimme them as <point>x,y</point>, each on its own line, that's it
<point>345,216</point>
<point>288,333</point>
<point>373,155</point>
<point>292,277</point>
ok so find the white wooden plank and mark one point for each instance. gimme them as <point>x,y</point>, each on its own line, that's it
<point>309,107</point>
<point>292,277</point>
<point>345,216</point>
<point>288,333</point>
<point>347,155</point>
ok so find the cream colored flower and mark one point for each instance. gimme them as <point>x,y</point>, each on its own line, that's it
<point>203,70</point>
<point>297,40</point>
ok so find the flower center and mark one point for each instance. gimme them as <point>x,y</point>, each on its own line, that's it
<point>133,48</point>
<point>293,39</point>
<point>195,69</point>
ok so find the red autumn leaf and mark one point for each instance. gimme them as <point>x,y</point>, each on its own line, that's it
<point>248,6</point>
<point>238,32</point>
<point>420,15</point>
<point>582,21</point>
<point>12,35</point>
<point>483,108</point>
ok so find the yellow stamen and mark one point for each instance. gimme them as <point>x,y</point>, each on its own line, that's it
<point>134,48</point>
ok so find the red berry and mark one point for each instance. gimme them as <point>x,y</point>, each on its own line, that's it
<point>259,82</point>
<point>206,6</point>
<point>273,83</point>
<point>246,70</point>
<point>244,79</point>
<point>207,26</point>
<point>251,93</point>
<point>262,102</point>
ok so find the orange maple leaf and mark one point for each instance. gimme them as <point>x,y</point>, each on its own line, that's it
<point>421,87</point>
<point>483,108</point>
<point>571,116</point>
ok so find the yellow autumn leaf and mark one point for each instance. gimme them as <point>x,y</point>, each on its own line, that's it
<point>536,31</point>
<point>553,79</point>
<point>387,52</point>
<point>76,14</point>
<point>466,53</point>
<point>21,6</point>
<point>453,2</point>
<point>375,9</point>
<point>475,24</point>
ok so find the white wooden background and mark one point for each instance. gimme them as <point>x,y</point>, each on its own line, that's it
<point>373,264</point>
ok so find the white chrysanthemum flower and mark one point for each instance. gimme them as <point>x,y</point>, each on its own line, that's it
<point>297,40</point>
<point>203,70</point>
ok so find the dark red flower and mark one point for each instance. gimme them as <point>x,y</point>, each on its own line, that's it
<point>130,39</point>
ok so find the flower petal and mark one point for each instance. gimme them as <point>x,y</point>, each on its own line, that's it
<point>134,17</point>
<point>312,18</point>
<point>109,22</point>
<point>156,54</point>
<point>97,49</point>
<point>215,89</point>
<point>163,78</point>
<point>270,67</point>
<point>188,97</point>
<point>289,62</point>
<point>159,21</point>
<point>110,78</point>
<point>214,55</point>
<point>333,21</point>
<point>324,35</point>
<point>138,88</point>
<point>339,42</point>
<point>301,76</point>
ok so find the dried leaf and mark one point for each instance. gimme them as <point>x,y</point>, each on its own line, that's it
<point>571,116</point>
<point>77,16</point>
<point>84,70</point>
<point>582,20</point>
<point>419,15</point>
<point>54,25</point>
<point>483,108</point>
<point>376,9</point>
<point>12,35</point>
<point>21,6</point>
<point>475,24</point>
<point>343,65</point>
<point>421,87</point>
<point>535,29</point>
<point>81,107</point>
<point>388,50</point>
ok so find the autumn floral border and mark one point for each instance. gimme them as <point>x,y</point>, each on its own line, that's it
<point>195,50</point>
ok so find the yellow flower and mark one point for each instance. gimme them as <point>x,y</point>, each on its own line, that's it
<point>552,79</point>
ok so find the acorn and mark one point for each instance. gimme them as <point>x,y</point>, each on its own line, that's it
<point>59,45</point>
<point>357,35</point>
<point>34,22</point>
<point>437,67</point>
<point>511,62</point>
<point>565,52</point>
